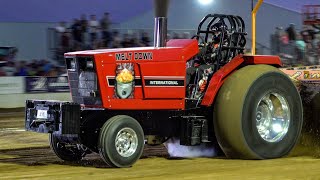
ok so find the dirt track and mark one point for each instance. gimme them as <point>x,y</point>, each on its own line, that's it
<point>26,155</point>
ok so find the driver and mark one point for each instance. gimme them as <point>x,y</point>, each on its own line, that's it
<point>219,39</point>
<point>204,64</point>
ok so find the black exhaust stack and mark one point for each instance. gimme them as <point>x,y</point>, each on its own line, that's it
<point>160,23</point>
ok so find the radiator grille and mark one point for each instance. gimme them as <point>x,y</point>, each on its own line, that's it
<point>83,81</point>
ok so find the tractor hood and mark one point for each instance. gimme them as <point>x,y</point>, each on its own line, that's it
<point>177,49</point>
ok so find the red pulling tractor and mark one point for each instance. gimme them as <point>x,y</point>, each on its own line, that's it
<point>125,98</point>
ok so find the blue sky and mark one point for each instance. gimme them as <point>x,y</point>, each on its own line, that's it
<point>57,10</point>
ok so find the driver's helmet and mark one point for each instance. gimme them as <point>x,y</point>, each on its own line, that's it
<point>217,29</point>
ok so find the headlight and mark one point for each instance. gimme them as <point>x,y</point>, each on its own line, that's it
<point>89,64</point>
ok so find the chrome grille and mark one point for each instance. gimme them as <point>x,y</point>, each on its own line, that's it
<point>83,82</point>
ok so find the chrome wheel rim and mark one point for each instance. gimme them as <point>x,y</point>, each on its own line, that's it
<point>272,117</point>
<point>126,142</point>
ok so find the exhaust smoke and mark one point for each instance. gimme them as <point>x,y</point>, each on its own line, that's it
<point>160,38</point>
<point>176,150</point>
<point>161,8</point>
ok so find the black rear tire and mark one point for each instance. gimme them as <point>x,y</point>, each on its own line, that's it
<point>66,153</point>
<point>238,114</point>
<point>121,141</point>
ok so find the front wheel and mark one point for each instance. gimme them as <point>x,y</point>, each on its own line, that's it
<point>64,149</point>
<point>121,141</point>
<point>258,114</point>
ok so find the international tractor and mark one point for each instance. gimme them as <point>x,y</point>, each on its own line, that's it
<point>201,91</point>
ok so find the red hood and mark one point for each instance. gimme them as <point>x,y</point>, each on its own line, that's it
<point>176,49</point>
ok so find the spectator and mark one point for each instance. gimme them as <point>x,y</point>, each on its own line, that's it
<point>126,42</point>
<point>10,68</point>
<point>318,46</point>
<point>61,28</point>
<point>32,71</point>
<point>84,29</point>
<point>305,49</point>
<point>291,32</point>
<point>3,59</point>
<point>276,40</point>
<point>12,55</point>
<point>308,34</point>
<point>176,35</point>
<point>47,66</point>
<point>93,29</point>
<point>84,23</point>
<point>284,38</point>
<point>186,35</point>
<point>22,70</point>
<point>53,72</point>
<point>65,42</point>
<point>2,73</point>
<point>116,40</point>
<point>105,27</point>
<point>116,43</point>
<point>76,32</point>
<point>145,40</point>
<point>301,47</point>
<point>134,40</point>
<point>64,46</point>
<point>62,71</point>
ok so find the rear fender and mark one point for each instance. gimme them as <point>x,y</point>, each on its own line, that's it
<point>237,62</point>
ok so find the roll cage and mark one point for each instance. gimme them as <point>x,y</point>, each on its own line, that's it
<point>234,34</point>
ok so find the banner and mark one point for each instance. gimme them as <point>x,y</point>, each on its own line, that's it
<point>47,84</point>
<point>11,85</point>
<point>305,74</point>
<point>58,84</point>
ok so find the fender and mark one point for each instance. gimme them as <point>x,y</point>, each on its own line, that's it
<point>239,61</point>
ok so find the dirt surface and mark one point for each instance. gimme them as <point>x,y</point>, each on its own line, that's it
<point>26,155</point>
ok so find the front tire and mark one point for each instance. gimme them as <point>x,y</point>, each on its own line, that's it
<point>121,141</point>
<point>63,150</point>
<point>258,114</point>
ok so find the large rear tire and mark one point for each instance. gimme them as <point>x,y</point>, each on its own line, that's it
<point>121,141</point>
<point>64,150</point>
<point>258,114</point>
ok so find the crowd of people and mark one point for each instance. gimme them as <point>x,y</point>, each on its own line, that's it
<point>10,66</point>
<point>84,34</point>
<point>297,47</point>
<point>293,46</point>
<point>81,34</point>
<point>31,68</point>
